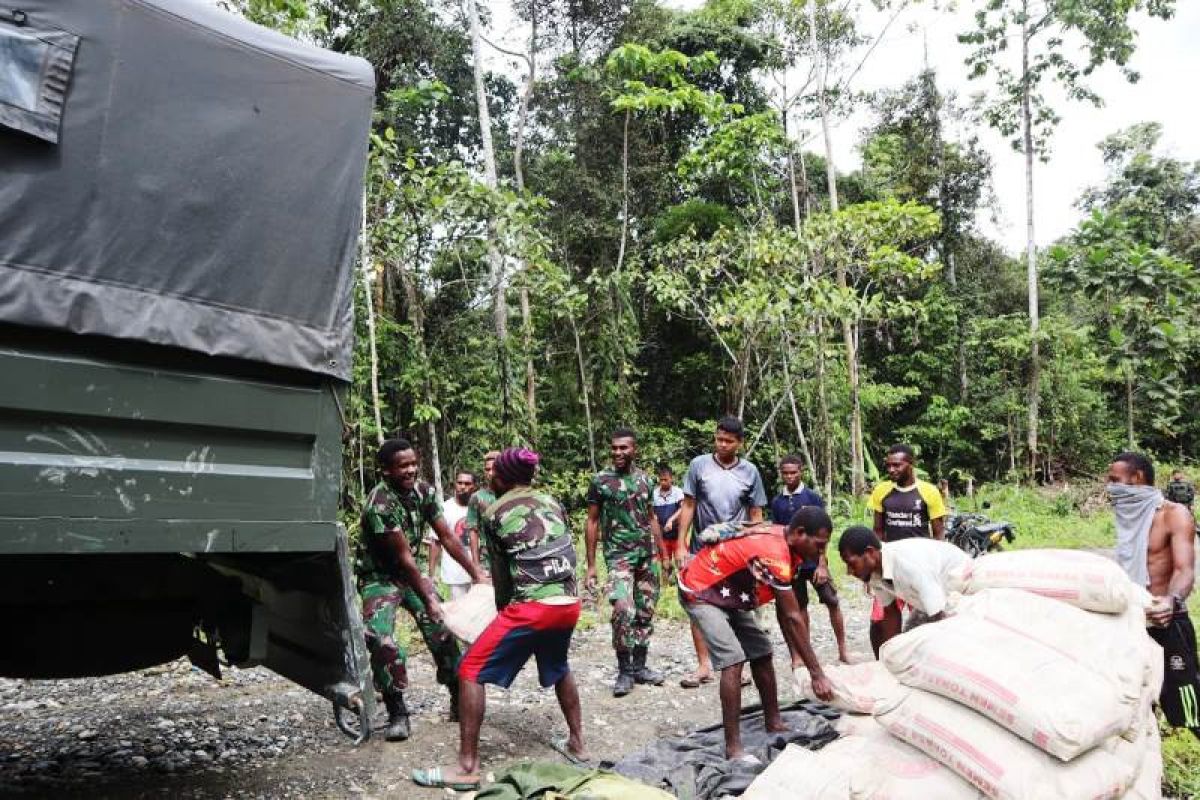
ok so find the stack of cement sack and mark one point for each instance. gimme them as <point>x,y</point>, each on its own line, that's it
<point>1039,685</point>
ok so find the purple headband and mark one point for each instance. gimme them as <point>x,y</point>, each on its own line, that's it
<point>516,465</point>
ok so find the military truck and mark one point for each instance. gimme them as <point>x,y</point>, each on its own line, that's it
<point>180,200</point>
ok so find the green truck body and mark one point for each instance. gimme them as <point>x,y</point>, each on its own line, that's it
<point>177,236</point>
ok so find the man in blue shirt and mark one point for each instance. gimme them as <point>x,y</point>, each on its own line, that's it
<point>795,496</point>
<point>720,486</point>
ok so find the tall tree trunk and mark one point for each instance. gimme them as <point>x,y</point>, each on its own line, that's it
<point>519,173</point>
<point>787,378</point>
<point>1035,366</point>
<point>368,276</point>
<point>1012,446</point>
<point>624,191</point>
<point>416,319</point>
<point>616,294</point>
<point>1130,438</point>
<point>849,327</point>
<point>583,386</point>
<point>495,261</point>
<point>949,232</point>
<point>826,475</point>
<point>435,457</point>
<point>791,155</point>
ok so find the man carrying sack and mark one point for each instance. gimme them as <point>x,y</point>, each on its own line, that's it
<point>533,571</point>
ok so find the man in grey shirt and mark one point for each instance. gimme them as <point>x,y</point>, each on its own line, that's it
<point>719,487</point>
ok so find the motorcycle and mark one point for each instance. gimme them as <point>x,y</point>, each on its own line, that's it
<point>975,534</point>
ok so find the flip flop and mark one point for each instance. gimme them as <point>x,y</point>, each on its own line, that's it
<point>432,778</point>
<point>560,746</point>
<point>749,759</point>
<point>694,683</point>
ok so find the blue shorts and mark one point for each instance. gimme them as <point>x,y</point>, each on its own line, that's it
<point>521,630</point>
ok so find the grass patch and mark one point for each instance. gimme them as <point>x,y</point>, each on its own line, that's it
<point>1181,763</point>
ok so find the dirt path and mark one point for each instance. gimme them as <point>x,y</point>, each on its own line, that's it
<point>174,731</point>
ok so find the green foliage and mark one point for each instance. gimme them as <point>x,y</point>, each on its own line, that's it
<point>727,302</point>
<point>1141,302</point>
<point>1100,30</point>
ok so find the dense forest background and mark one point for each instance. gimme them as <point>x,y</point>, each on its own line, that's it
<point>639,222</point>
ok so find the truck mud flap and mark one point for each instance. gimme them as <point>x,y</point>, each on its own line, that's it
<point>304,624</point>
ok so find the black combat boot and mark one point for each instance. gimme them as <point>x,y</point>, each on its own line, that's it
<point>398,726</point>
<point>642,673</point>
<point>623,685</point>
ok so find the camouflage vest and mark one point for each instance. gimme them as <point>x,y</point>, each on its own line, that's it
<point>1180,492</point>
<point>532,550</point>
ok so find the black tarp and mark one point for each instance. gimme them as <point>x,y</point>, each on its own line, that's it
<point>205,190</point>
<point>694,767</point>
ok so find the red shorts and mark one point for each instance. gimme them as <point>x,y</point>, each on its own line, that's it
<point>521,630</point>
<point>877,609</point>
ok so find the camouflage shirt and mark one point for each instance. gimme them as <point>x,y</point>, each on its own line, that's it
<point>476,507</point>
<point>625,501</point>
<point>387,509</point>
<point>530,542</point>
<point>1180,492</point>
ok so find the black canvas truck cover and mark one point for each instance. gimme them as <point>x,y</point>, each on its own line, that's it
<point>171,173</point>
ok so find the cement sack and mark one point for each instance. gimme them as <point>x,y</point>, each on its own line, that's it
<point>1148,783</point>
<point>1155,667</point>
<point>999,764</point>
<point>1008,667</point>
<point>856,687</point>
<point>1085,580</point>
<point>806,775</point>
<point>1131,746</point>
<point>467,616</point>
<point>874,767</point>
<point>1112,645</point>
<point>889,769</point>
<point>857,725</point>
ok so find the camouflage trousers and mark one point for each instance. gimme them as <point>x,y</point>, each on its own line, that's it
<point>388,658</point>
<point>633,586</point>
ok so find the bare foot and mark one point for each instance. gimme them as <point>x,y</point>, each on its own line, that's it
<point>844,657</point>
<point>778,727</point>
<point>450,777</point>
<point>575,747</point>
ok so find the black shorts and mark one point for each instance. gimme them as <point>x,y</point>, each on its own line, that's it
<point>826,592</point>
<point>1180,698</point>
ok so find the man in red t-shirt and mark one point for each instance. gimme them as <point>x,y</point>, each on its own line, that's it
<point>721,587</point>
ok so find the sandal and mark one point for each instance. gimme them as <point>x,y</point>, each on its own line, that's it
<point>433,778</point>
<point>560,746</point>
<point>692,682</point>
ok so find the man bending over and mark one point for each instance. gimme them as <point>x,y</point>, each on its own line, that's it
<point>721,587</point>
<point>914,571</point>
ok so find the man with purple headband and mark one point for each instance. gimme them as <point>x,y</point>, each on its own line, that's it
<point>533,570</point>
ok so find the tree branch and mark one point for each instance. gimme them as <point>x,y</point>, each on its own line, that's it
<point>523,56</point>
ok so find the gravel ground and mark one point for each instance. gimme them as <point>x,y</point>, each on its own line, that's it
<point>174,731</point>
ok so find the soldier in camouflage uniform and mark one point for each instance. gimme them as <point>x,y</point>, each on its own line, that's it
<point>478,503</point>
<point>619,501</point>
<point>393,523</point>
<point>533,558</point>
<point>1180,490</point>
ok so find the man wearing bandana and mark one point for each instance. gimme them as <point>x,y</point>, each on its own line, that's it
<point>1155,548</point>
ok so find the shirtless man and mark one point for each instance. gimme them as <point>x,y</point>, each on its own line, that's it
<point>1155,547</point>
